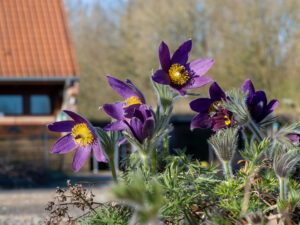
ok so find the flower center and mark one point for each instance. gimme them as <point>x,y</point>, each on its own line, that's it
<point>133,100</point>
<point>214,107</point>
<point>178,74</point>
<point>82,135</point>
<point>227,120</point>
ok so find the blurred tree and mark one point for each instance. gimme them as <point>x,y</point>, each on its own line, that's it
<point>251,38</point>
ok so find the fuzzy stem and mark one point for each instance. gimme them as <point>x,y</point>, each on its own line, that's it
<point>153,161</point>
<point>282,188</point>
<point>145,159</point>
<point>227,170</point>
<point>255,130</point>
<point>166,146</point>
<point>113,169</point>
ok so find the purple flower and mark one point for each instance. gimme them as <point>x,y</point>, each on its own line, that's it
<point>257,102</point>
<point>140,125</point>
<point>133,98</point>
<point>294,138</point>
<point>179,74</point>
<point>81,136</point>
<point>211,111</point>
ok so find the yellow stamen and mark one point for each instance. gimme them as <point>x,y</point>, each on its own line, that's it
<point>227,120</point>
<point>82,135</point>
<point>133,100</point>
<point>214,107</point>
<point>178,74</point>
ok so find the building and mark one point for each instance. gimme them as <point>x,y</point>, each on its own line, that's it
<point>38,78</point>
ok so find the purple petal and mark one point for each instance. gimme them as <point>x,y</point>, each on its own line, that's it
<point>115,110</point>
<point>121,88</point>
<point>136,127</point>
<point>202,120</point>
<point>260,98</point>
<point>123,141</point>
<point>216,93</point>
<point>164,56</point>
<point>75,116</point>
<point>161,77</point>
<point>80,157</point>
<point>272,105</point>
<point>294,138</point>
<point>129,111</point>
<point>64,144</point>
<point>148,128</point>
<point>182,54</point>
<point>200,66</point>
<point>248,86</point>
<point>201,105</point>
<point>115,126</point>
<point>100,157</point>
<point>198,81</point>
<point>137,91</point>
<point>62,126</point>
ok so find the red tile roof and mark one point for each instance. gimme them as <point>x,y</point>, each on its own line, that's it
<point>35,41</point>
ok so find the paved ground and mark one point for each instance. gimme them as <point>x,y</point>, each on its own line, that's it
<point>26,206</point>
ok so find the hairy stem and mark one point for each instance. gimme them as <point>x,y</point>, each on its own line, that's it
<point>255,130</point>
<point>113,169</point>
<point>166,146</point>
<point>227,170</point>
<point>153,161</point>
<point>282,188</point>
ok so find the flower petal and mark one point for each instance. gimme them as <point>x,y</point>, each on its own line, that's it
<point>81,155</point>
<point>182,54</point>
<point>136,127</point>
<point>64,145</point>
<point>75,116</point>
<point>115,126</point>
<point>62,126</point>
<point>164,56</point>
<point>148,128</point>
<point>202,120</point>
<point>201,105</point>
<point>200,66</point>
<point>161,77</point>
<point>272,105</point>
<point>248,86</point>
<point>216,93</point>
<point>137,91</point>
<point>121,88</point>
<point>198,81</point>
<point>98,154</point>
<point>115,110</point>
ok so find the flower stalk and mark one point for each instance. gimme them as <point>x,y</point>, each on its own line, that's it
<point>282,188</point>
<point>227,170</point>
<point>153,162</point>
<point>113,169</point>
<point>255,130</point>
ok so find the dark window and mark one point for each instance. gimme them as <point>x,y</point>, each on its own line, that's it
<point>40,104</point>
<point>11,104</point>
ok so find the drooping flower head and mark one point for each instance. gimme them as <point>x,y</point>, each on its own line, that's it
<point>81,136</point>
<point>133,97</point>
<point>211,111</point>
<point>257,102</point>
<point>179,74</point>
<point>140,125</point>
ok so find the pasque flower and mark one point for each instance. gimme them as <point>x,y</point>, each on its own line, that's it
<point>257,102</point>
<point>211,111</point>
<point>179,74</point>
<point>81,136</point>
<point>294,138</point>
<point>120,111</point>
<point>140,125</point>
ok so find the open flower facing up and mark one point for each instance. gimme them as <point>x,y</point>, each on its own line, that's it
<point>81,136</point>
<point>212,113</point>
<point>257,102</point>
<point>133,97</point>
<point>179,74</point>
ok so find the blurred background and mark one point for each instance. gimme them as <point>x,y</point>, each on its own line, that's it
<point>55,55</point>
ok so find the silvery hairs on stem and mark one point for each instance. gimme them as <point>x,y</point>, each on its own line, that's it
<point>224,143</point>
<point>237,106</point>
<point>281,135</point>
<point>284,161</point>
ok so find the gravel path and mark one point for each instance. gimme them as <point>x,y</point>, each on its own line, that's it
<point>27,206</point>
